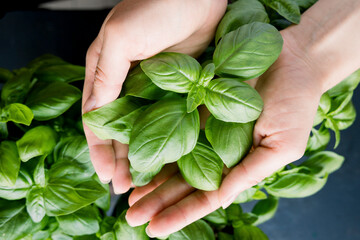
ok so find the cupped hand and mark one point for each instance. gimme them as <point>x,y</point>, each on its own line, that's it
<point>135,30</point>
<point>291,91</point>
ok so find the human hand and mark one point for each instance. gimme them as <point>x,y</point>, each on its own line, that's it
<point>135,30</point>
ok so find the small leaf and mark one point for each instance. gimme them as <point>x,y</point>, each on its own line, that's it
<point>217,217</point>
<point>323,109</point>
<point>234,212</point>
<point>245,196</point>
<point>195,98</point>
<point>17,113</point>
<point>339,103</point>
<point>9,163</point>
<point>20,189</point>
<point>319,140</point>
<point>45,60</point>
<point>265,209</point>
<point>35,203</point>
<point>207,74</point>
<point>247,232</point>
<point>140,179</point>
<point>198,230</point>
<point>225,236</point>
<point>323,163</point>
<point>124,231</point>
<point>62,73</point>
<point>39,172</point>
<point>15,89</point>
<point>331,123</point>
<point>5,75</point>
<point>286,8</point>
<point>346,117</point>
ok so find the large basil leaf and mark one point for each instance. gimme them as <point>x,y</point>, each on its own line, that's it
<point>124,231</point>
<point>81,222</point>
<point>195,97</point>
<point>162,134</point>
<point>9,163</point>
<point>247,52</point>
<point>230,100</point>
<point>17,113</point>
<point>247,232</point>
<point>35,203</point>
<point>231,141</point>
<point>49,101</point>
<point>296,185</point>
<point>5,75</point>
<point>114,120</point>
<point>240,13</point>
<point>265,209</point>
<point>319,139</point>
<point>175,72</point>
<point>35,142</point>
<point>19,190</point>
<point>201,168</point>
<point>346,86</point>
<point>286,8</point>
<point>63,73</point>
<point>142,178</point>
<point>138,84</point>
<point>323,163</point>
<point>198,230</point>
<point>217,217</point>
<point>72,148</point>
<point>15,89</point>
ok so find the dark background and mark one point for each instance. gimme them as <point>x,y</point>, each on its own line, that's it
<point>331,214</point>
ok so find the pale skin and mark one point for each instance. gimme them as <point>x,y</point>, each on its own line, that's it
<point>317,54</point>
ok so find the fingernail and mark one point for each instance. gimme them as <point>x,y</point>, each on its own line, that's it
<point>90,104</point>
<point>229,201</point>
<point>105,181</point>
<point>126,218</point>
<point>149,233</point>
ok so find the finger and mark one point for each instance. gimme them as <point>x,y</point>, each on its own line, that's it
<point>122,179</point>
<point>167,194</point>
<point>183,213</point>
<point>166,172</point>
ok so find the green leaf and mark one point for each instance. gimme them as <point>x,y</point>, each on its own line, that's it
<point>81,222</point>
<point>17,113</point>
<point>346,86</point>
<point>104,202</point>
<point>9,163</point>
<point>234,212</point>
<point>240,13</point>
<point>138,84</point>
<point>296,185</point>
<point>323,109</point>
<point>124,231</point>
<point>286,8</point>
<point>265,209</point>
<point>114,120</point>
<point>323,163</point>
<point>246,195</point>
<point>217,217</point>
<point>346,117</point>
<point>5,75</point>
<point>247,232</point>
<point>198,230</point>
<point>162,134</point>
<point>230,100</point>
<point>107,224</point>
<point>35,203</point>
<point>37,141</point>
<point>39,172</point>
<point>59,235</point>
<point>247,52</point>
<point>142,178</point>
<point>175,72</point>
<point>17,87</point>
<point>231,141</point>
<point>62,73</point>
<point>225,236</point>
<point>45,60</point>
<point>20,189</point>
<point>202,168</point>
<point>319,139</point>
<point>48,101</point>
<point>108,236</point>
<point>305,4</point>
<point>330,123</point>
<point>4,133</point>
<point>339,103</point>
<point>207,74</point>
<point>195,98</point>
<point>73,149</point>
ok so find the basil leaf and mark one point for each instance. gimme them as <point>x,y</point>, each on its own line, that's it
<point>195,98</point>
<point>346,117</point>
<point>347,85</point>
<point>175,72</point>
<point>323,108</point>
<point>248,219</point>
<point>39,172</point>
<point>70,170</point>
<point>240,13</point>
<point>124,231</point>
<point>114,120</point>
<point>9,163</point>
<point>323,163</point>
<point>339,103</point>
<point>140,179</point>
<point>207,74</point>
<point>5,75</point>
<point>81,222</point>
<point>331,123</point>
<point>62,73</point>
<point>49,101</point>
<point>245,196</point>
<point>107,224</point>
<point>108,236</point>
<point>247,232</point>
<point>37,141</point>
<point>104,202</point>
<point>198,230</point>
<point>45,60</point>
<point>231,141</point>
<point>162,134</point>
<point>296,185</point>
<point>73,149</point>
<point>138,84</point>
<point>286,8</point>
<point>233,212</point>
<point>319,140</point>
<point>35,203</point>
<point>247,52</point>
<point>4,133</point>
<point>59,235</point>
<point>19,190</point>
<point>225,236</point>
<point>15,89</point>
<point>305,4</point>
<point>17,113</point>
<point>265,209</point>
<point>230,100</point>
<point>201,168</point>
<point>217,217</point>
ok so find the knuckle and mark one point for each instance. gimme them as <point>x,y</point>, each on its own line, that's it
<point>99,77</point>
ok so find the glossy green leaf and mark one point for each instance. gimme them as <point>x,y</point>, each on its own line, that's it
<point>248,232</point>
<point>37,141</point>
<point>231,141</point>
<point>240,13</point>
<point>217,217</point>
<point>59,235</point>
<point>17,113</point>
<point>82,222</point>
<point>346,86</point>
<point>286,8</point>
<point>142,178</point>
<point>45,60</point>
<point>323,163</point>
<point>20,189</point>
<point>296,185</point>
<point>162,134</point>
<point>198,230</point>
<point>247,52</point>
<point>207,74</point>
<point>124,231</point>
<point>72,148</point>
<point>346,117</point>
<point>331,124</point>
<point>234,212</point>
<point>48,101</point>
<point>138,84</point>
<point>104,202</point>
<point>265,209</point>
<point>107,224</point>
<point>230,100</point>
<point>62,73</point>
<point>195,98</point>
<point>108,236</point>
<point>35,203</point>
<point>114,120</point>
<point>9,163</point>
<point>175,72</point>
<point>5,75</point>
<point>39,172</point>
<point>339,103</point>
<point>245,196</point>
<point>17,87</point>
<point>319,140</point>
